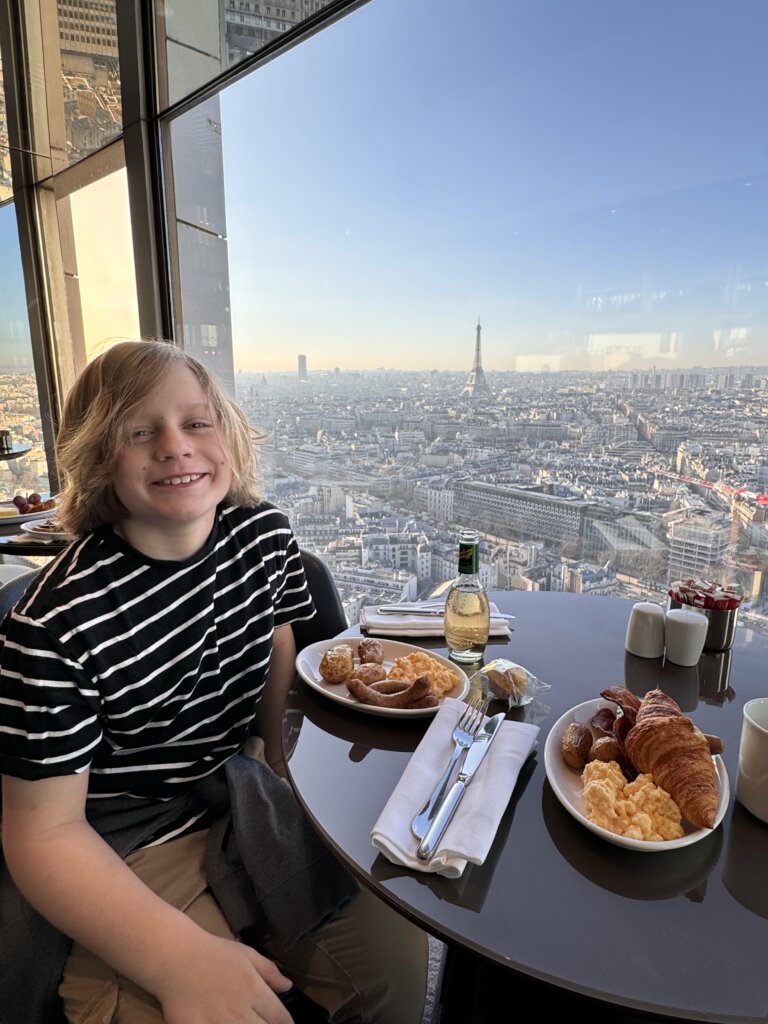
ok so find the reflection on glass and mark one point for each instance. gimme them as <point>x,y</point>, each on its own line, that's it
<point>103,284</point>
<point>90,74</point>
<point>195,169</point>
<point>19,408</point>
<point>73,80</point>
<point>204,37</point>
<point>6,185</point>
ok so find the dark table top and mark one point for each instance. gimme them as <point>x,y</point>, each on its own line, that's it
<point>30,545</point>
<point>683,932</point>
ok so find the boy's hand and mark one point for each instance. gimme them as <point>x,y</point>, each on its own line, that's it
<point>220,981</point>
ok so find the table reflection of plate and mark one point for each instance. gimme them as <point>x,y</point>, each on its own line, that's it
<point>9,515</point>
<point>46,531</point>
<point>308,667</point>
<point>566,784</point>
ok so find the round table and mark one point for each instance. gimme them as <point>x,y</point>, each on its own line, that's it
<point>682,933</point>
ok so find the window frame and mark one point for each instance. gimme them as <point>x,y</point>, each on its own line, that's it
<point>38,184</point>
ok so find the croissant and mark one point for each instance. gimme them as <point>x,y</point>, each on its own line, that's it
<point>666,743</point>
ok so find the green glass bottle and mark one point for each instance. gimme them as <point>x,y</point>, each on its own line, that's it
<point>467,610</point>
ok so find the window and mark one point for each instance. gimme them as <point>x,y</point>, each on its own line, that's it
<point>194,50</point>
<point>611,393</point>
<point>19,406</point>
<point>6,184</point>
<point>523,261</point>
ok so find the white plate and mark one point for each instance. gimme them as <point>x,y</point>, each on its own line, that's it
<point>308,667</point>
<point>37,529</point>
<point>18,518</point>
<point>566,782</point>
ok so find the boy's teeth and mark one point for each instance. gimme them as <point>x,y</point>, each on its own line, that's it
<point>181,479</point>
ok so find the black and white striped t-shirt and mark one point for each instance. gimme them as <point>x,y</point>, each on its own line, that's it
<point>148,671</point>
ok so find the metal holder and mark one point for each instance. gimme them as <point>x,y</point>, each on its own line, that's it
<point>722,625</point>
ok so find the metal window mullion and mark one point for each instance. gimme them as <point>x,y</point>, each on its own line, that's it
<point>23,168</point>
<point>143,168</point>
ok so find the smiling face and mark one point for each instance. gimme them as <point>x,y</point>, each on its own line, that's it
<point>173,468</point>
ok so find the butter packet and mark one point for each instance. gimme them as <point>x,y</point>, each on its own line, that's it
<point>509,681</point>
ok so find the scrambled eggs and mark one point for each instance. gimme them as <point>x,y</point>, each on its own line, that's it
<point>411,666</point>
<point>637,810</point>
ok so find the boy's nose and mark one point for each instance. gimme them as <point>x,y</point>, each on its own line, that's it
<point>172,443</point>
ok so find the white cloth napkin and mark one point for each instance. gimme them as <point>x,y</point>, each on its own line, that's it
<point>470,833</point>
<point>403,624</point>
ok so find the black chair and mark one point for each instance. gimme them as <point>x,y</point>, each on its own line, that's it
<point>11,591</point>
<point>329,619</point>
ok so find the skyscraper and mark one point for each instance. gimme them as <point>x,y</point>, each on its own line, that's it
<point>302,367</point>
<point>476,386</point>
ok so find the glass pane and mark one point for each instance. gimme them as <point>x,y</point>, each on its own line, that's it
<point>90,73</point>
<point>195,170</point>
<point>95,231</point>
<point>6,185</point>
<point>73,75</point>
<point>19,408</point>
<point>607,223</point>
<point>200,39</point>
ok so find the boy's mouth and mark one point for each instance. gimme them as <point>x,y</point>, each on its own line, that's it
<point>174,481</point>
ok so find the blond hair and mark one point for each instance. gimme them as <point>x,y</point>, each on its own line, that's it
<point>93,425</point>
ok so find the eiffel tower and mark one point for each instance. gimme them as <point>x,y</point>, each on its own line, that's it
<point>476,386</point>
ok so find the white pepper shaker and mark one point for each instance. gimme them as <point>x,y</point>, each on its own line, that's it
<point>645,630</point>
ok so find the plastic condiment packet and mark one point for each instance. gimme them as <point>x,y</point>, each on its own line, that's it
<point>704,594</point>
<point>509,681</point>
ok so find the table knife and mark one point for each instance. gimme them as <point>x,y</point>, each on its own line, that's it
<point>404,609</point>
<point>474,756</point>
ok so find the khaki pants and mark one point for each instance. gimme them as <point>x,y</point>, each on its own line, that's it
<point>368,965</point>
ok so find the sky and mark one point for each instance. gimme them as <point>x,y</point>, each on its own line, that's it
<point>15,350</point>
<point>588,177</point>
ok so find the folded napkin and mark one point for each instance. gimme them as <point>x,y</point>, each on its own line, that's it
<point>403,624</point>
<point>470,833</point>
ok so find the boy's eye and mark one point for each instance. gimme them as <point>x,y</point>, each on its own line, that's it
<point>199,424</point>
<point>138,434</point>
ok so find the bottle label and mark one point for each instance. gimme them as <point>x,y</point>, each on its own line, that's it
<point>468,559</point>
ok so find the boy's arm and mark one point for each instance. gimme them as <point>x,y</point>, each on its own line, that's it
<point>280,677</point>
<point>75,880</point>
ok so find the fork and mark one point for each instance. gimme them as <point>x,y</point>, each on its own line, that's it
<point>467,726</point>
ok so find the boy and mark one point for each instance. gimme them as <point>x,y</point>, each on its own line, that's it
<point>130,675</point>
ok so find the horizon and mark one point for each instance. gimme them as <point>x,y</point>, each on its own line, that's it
<point>577,175</point>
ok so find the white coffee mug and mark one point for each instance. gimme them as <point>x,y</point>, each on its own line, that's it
<point>752,780</point>
<point>645,630</point>
<point>685,631</point>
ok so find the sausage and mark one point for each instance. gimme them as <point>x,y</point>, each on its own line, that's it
<point>716,745</point>
<point>389,685</point>
<point>418,689</point>
<point>602,722</point>
<point>430,701</point>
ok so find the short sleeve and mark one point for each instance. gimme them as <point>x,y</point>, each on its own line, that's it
<point>49,721</point>
<point>291,599</point>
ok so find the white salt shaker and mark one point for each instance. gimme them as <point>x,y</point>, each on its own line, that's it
<point>645,630</point>
<point>685,631</point>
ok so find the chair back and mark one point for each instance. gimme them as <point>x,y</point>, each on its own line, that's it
<point>329,619</point>
<point>12,589</point>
